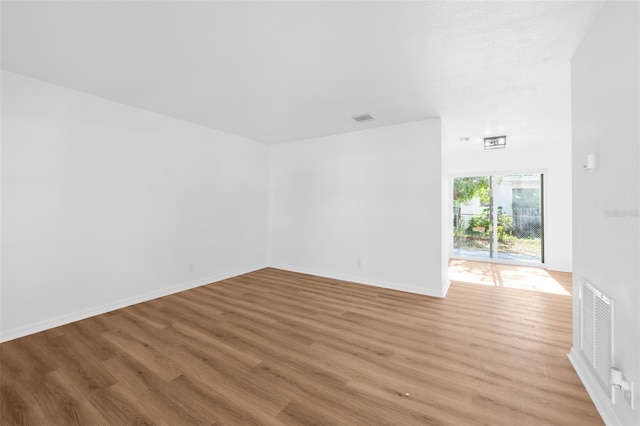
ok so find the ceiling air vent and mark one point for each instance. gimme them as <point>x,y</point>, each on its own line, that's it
<point>364,117</point>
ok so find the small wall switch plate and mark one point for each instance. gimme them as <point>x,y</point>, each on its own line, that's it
<point>589,162</point>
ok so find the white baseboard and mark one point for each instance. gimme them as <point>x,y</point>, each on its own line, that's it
<point>598,395</point>
<point>37,327</point>
<point>108,307</point>
<point>445,288</point>
<point>374,283</point>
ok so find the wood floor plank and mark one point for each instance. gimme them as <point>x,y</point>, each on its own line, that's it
<point>118,408</point>
<point>282,348</point>
<point>84,411</point>
<point>155,399</point>
<point>137,347</point>
<point>19,407</point>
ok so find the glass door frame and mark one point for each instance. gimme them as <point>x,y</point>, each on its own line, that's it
<point>494,211</point>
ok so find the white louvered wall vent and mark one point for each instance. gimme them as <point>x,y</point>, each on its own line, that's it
<point>596,329</point>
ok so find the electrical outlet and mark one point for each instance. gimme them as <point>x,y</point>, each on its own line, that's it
<point>359,263</point>
<point>191,267</point>
<point>628,394</point>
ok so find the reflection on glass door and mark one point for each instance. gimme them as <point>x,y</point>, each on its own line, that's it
<point>499,217</point>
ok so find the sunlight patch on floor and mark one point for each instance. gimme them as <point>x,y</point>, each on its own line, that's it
<point>509,276</point>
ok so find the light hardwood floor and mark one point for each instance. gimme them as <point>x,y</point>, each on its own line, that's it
<point>275,347</point>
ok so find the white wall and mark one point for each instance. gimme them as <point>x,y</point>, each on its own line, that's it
<point>373,196</point>
<point>606,243</point>
<point>549,152</point>
<point>106,205</point>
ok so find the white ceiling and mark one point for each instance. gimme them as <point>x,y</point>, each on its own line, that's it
<point>282,71</point>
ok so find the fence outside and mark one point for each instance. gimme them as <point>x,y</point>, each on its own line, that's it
<point>527,222</point>
<point>519,234</point>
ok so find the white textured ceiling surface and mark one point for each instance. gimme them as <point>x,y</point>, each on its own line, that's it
<point>282,71</point>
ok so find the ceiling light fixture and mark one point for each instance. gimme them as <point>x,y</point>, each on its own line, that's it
<point>495,142</point>
<point>363,117</point>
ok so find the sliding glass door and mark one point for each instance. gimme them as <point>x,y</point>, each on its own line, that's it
<point>499,217</point>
